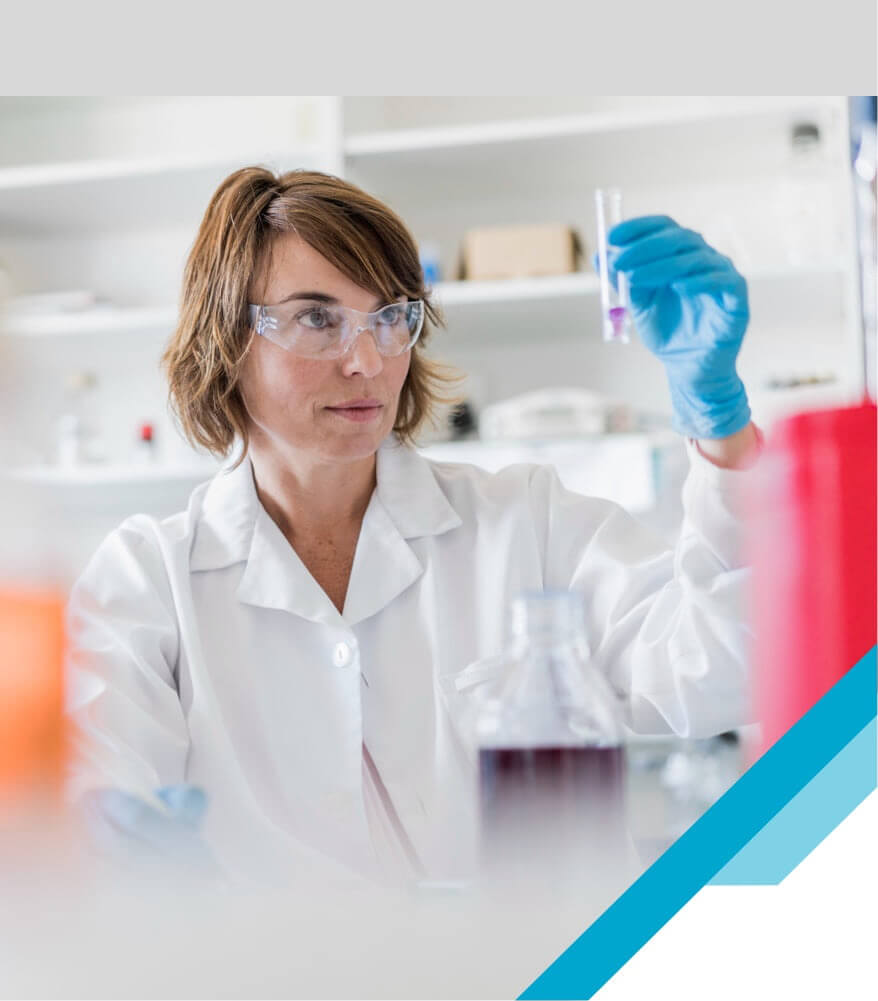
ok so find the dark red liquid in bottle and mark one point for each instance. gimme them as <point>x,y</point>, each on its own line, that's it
<point>543,800</point>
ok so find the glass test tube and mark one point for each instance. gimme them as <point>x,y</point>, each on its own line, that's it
<point>615,302</point>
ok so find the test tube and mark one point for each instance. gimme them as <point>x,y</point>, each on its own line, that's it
<point>615,301</point>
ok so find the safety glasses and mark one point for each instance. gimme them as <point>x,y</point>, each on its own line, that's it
<point>319,330</point>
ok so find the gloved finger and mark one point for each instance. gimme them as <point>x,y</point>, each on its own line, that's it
<point>134,817</point>
<point>634,229</point>
<point>669,270</point>
<point>725,280</point>
<point>665,243</point>
<point>128,830</point>
<point>187,803</point>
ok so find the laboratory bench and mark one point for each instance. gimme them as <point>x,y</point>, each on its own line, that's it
<point>671,782</point>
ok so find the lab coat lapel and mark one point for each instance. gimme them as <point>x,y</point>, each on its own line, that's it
<point>384,565</point>
<point>407,503</point>
<point>235,528</point>
<point>275,576</point>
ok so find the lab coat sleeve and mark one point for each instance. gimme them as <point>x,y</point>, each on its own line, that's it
<point>128,726</point>
<point>667,626</point>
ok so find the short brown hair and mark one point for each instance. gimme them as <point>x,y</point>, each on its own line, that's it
<point>357,233</point>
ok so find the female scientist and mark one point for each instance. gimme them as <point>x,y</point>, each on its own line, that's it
<point>279,645</point>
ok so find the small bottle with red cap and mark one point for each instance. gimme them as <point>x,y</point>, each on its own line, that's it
<point>145,450</point>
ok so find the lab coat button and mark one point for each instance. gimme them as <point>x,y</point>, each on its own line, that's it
<point>341,655</point>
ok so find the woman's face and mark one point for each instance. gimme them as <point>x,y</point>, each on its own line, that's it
<point>303,404</point>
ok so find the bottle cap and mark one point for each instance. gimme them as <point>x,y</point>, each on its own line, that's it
<point>146,432</point>
<point>547,613</point>
<point>805,134</point>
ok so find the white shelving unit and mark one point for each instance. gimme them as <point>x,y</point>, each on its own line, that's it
<point>105,194</point>
<point>92,321</point>
<point>114,475</point>
<point>124,193</point>
<point>465,293</point>
<point>710,112</point>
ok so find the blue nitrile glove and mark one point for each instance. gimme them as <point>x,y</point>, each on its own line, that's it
<point>127,826</point>
<point>689,306</point>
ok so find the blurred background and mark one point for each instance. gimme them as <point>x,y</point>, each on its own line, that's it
<point>100,199</point>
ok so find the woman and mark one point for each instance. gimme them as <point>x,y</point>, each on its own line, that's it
<point>279,644</point>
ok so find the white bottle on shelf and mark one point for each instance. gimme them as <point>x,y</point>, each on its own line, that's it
<point>79,427</point>
<point>809,241</point>
<point>70,451</point>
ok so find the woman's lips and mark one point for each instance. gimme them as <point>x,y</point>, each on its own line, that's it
<point>360,413</point>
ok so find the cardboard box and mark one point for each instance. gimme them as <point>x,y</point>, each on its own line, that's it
<point>519,251</point>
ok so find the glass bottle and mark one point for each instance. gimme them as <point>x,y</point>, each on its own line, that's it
<point>805,201</point>
<point>551,754</point>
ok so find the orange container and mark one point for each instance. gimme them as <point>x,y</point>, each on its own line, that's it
<point>32,741</point>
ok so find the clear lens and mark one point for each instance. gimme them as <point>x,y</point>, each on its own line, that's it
<point>323,331</point>
<point>397,327</point>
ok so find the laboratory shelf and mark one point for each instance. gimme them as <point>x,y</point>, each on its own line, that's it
<point>397,141</point>
<point>132,192</point>
<point>512,290</point>
<point>582,283</point>
<point>112,475</point>
<point>91,321</point>
<point>452,294</point>
<point>116,319</point>
<point>16,178</point>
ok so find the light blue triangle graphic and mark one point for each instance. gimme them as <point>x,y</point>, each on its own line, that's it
<point>809,817</point>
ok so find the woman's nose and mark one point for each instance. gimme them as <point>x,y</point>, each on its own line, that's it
<point>363,355</point>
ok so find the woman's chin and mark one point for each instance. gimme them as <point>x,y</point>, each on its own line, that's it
<point>356,442</point>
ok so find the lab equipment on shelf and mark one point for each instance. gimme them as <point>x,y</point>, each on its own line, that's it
<point>550,753</point>
<point>145,447</point>
<point>548,413</point>
<point>70,441</point>
<point>804,205</point>
<point>430,263</point>
<point>78,438</point>
<point>615,299</point>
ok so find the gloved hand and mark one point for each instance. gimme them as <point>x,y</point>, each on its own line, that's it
<point>127,826</point>
<point>689,306</point>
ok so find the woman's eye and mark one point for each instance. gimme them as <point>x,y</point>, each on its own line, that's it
<point>391,316</point>
<point>317,319</point>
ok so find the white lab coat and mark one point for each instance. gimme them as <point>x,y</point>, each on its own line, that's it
<point>204,652</point>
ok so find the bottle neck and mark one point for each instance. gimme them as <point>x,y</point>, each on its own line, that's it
<point>550,694</point>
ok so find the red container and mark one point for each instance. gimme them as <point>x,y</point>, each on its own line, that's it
<point>813,552</point>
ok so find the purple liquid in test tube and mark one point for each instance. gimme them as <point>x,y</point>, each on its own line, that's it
<point>618,315</point>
